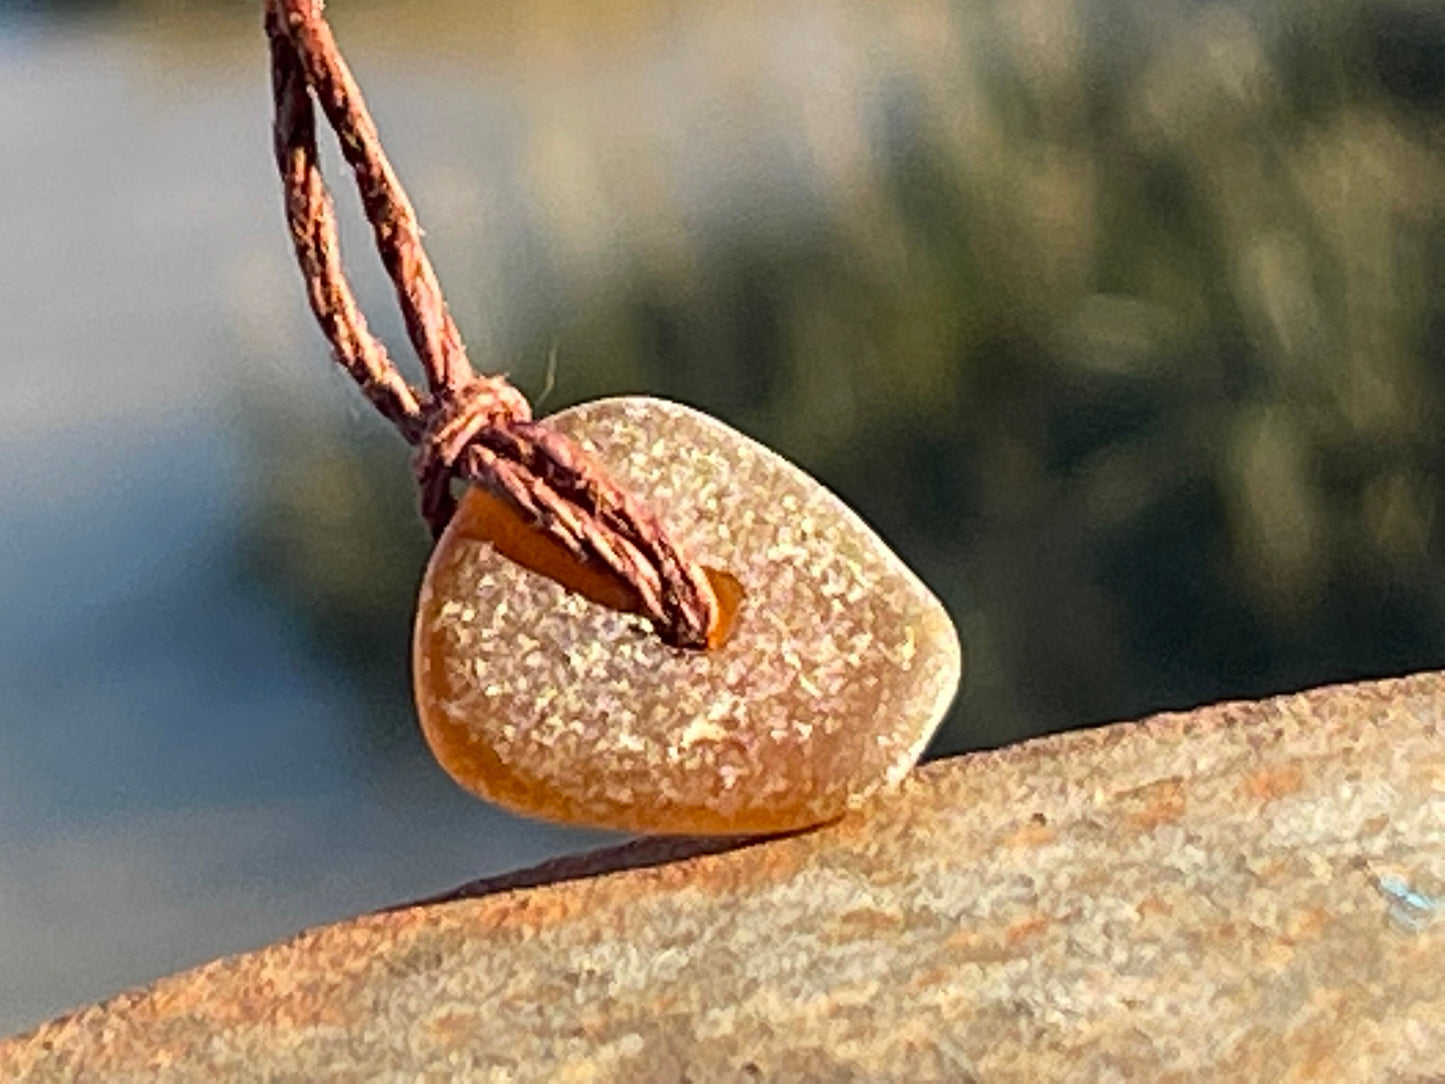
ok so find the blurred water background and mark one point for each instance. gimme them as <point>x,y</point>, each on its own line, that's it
<point>1121,319</point>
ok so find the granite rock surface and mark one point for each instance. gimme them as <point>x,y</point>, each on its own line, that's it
<point>1250,891</point>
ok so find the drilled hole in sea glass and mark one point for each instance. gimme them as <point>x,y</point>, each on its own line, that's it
<point>482,517</point>
<point>838,669</point>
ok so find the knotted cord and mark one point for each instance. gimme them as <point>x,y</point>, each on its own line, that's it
<point>476,428</point>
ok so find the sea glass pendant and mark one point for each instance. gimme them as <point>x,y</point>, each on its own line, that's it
<point>837,668</point>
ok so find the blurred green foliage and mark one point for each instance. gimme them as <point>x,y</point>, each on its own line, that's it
<point>1122,320</point>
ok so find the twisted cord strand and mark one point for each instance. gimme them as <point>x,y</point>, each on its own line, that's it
<point>477,428</point>
<point>312,221</point>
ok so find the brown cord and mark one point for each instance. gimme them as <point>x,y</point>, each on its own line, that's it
<point>477,428</point>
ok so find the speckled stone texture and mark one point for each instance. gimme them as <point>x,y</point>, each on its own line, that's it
<point>839,668</point>
<point>1244,892</point>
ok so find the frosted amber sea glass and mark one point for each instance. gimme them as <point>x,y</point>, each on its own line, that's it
<point>838,668</point>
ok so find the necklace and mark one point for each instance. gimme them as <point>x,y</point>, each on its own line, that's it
<point>636,617</point>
